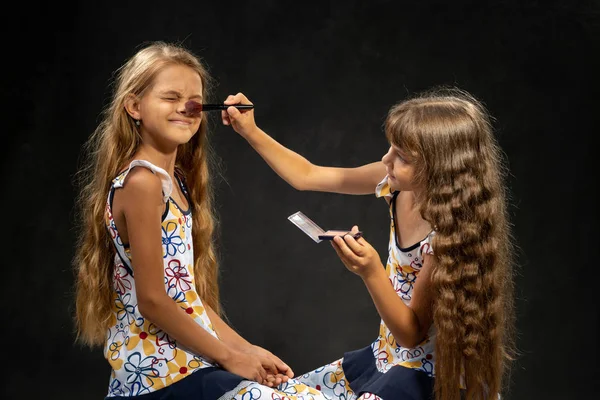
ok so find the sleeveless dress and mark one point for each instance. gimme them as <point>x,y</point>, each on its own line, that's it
<point>385,369</point>
<point>143,357</point>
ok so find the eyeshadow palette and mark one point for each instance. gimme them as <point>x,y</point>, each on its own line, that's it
<point>314,231</point>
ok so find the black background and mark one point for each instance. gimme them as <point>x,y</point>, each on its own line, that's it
<point>322,76</point>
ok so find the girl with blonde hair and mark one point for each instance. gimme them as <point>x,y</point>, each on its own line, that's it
<point>146,284</point>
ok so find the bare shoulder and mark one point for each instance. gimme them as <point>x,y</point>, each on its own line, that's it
<point>142,186</point>
<point>140,199</point>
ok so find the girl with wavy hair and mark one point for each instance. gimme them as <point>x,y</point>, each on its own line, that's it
<point>146,267</point>
<point>445,294</point>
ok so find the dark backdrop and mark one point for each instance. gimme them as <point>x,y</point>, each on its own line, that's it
<point>322,76</point>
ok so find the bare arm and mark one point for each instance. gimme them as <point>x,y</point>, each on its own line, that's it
<point>226,333</point>
<point>294,168</point>
<point>408,324</point>
<point>141,202</point>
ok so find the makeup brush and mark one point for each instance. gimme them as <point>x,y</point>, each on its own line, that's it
<point>194,108</point>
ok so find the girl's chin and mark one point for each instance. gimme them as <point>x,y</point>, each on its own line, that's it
<point>393,184</point>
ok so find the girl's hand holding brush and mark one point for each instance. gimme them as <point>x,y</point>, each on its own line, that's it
<point>241,120</point>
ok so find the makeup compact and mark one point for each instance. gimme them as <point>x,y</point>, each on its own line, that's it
<point>314,231</point>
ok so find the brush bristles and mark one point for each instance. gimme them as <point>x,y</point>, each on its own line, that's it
<point>193,108</point>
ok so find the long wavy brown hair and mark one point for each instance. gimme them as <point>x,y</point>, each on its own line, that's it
<point>448,136</point>
<point>109,148</point>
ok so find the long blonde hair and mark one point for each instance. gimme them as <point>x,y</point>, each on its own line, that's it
<point>112,144</point>
<point>448,136</point>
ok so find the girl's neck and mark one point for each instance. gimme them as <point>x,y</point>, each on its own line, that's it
<point>160,159</point>
<point>408,204</point>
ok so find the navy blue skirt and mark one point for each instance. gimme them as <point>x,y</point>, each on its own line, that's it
<point>399,383</point>
<point>205,383</point>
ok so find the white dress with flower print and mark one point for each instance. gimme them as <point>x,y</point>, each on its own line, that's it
<point>143,357</point>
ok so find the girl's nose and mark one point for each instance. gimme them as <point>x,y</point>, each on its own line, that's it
<point>386,157</point>
<point>181,107</point>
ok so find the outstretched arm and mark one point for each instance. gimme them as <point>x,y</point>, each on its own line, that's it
<point>293,167</point>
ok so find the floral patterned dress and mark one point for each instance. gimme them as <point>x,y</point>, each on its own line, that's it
<point>144,358</point>
<point>147,363</point>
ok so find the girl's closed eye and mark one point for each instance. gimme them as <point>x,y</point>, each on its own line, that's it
<point>400,155</point>
<point>170,95</point>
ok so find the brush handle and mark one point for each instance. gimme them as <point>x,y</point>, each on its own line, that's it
<point>212,107</point>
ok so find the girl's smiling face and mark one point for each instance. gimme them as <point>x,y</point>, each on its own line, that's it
<point>161,110</point>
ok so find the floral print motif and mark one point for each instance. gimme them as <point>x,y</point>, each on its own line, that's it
<point>171,239</point>
<point>122,279</point>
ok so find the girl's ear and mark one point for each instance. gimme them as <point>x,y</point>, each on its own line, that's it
<point>132,106</point>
